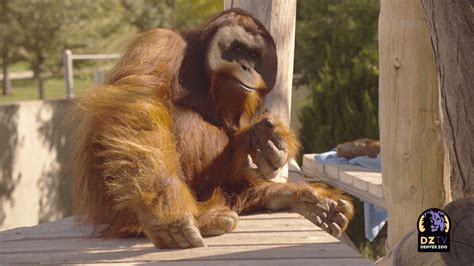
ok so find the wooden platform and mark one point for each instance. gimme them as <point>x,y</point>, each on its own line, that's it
<point>264,239</point>
<point>361,182</point>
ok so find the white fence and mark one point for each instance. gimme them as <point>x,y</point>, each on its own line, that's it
<point>68,68</point>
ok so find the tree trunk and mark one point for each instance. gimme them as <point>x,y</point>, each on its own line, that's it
<point>6,82</point>
<point>41,88</point>
<point>451,25</point>
<point>279,17</point>
<point>39,78</point>
<point>410,130</point>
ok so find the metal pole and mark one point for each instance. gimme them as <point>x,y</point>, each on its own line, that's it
<point>68,75</point>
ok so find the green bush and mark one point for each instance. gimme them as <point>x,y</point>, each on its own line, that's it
<point>336,58</point>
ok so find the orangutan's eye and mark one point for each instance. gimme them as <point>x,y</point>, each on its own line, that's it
<point>238,48</point>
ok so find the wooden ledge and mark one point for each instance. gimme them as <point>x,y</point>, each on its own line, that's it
<point>361,182</point>
<point>263,239</point>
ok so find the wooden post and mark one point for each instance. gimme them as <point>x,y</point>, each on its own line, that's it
<point>410,126</point>
<point>68,77</point>
<point>279,17</point>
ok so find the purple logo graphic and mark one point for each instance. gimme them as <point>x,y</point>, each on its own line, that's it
<point>436,219</point>
<point>433,231</point>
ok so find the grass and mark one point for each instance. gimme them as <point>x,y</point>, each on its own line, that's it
<point>27,90</point>
<point>19,66</point>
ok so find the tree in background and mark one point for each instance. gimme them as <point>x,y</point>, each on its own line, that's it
<point>336,58</point>
<point>40,30</point>
<point>175,14</point>
<point>50,26</point>
<point>94,26</point>
<point>41,23</point>
<point>9,36</point>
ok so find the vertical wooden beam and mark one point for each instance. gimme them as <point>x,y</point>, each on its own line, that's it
<point>279,17</point>
<point>410,126</point>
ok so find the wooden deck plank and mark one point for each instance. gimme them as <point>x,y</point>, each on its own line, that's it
<point>278,262</point>
<point>363,183</point>
<point>66,228</point>
<point>308,162</point>
<point>347,188</point>
<point>231,239</point>
<point>259,239</point>
<point>149,253</point>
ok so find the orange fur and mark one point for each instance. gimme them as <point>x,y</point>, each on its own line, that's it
<point>233,108</point>
<point>124,127</point>
<point>146,157</point>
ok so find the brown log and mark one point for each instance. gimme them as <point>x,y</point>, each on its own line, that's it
<point>461,214</point>
<point>451,25</point>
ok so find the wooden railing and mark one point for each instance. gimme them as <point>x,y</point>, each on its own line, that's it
<point>68,67</point>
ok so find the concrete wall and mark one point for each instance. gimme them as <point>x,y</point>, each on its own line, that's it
<point>35,177</point>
